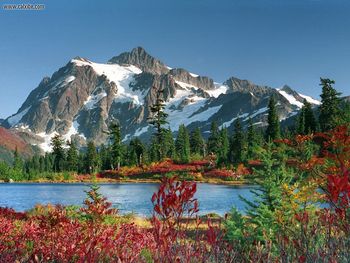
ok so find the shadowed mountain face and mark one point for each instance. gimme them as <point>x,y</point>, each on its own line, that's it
<point>82,98</point>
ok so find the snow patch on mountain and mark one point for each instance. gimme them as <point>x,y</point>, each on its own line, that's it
<point>185,85</point>
<point>73,130</point>
<point>92,101</point>
<point>259,111</point>
<point>228,123</point>
<point>15,119</point>
<point>122,76</point>
<point>290,98</point>
<point>140,131</point>
<point>309,99</point>
<point>59,84</point>
<point>219,89</point>
<point>46,145</point>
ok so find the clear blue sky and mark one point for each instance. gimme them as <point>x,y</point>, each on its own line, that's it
<point>270,42</point>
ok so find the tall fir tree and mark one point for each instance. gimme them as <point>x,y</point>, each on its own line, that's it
<point>306,121</point>
<point>168,144</point>
<point>224,146</point>
<point>273,124</point>
<point>197,143</point>
<point>214,139</point>
<point>158,120</point>
<point>58,152</point>
<point>329,109</point>
<point>252,140</point>
<point>237,144</point>
<point>116,145</point>
<point>91,158</point>
<point>72,157</point>
<point>182,145</point>
<point>105,157</point>
<point>136,152</point>
<point>267,198</point>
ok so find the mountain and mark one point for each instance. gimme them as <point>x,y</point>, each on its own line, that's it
<point>83,97</point>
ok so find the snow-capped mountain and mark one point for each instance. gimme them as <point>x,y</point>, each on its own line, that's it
<point>83,97</point>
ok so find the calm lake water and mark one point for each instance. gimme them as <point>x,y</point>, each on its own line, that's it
<point>127,197</point>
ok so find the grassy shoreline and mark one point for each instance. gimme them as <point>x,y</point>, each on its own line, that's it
<point>118,181</point>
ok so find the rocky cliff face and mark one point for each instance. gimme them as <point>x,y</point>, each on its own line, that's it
<point>82,98</point>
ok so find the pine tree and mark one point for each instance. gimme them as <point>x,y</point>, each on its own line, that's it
<point>49,162</point>
<point>214,139</point>
<point>72,157</point>
<point>197,143</point>
<point>310,120</point>
<point>345,113</point>
<point>105,158</point>
<point>182,144</point>
<point>268,194</point>
<point>329,109</point>
<point>300,125</point>
<point>116,145</point>
<point>168,144</point>
<point>158,120</point>
<point>306,121</point>
<point>223,147</point>
<point>58,152</point>
<point>136,152</point>
<point>237,151</point>
<point>91,158</point>
<point>273,128</point>
<point>252,140</point>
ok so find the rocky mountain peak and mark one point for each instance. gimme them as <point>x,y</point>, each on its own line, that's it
<point>141,59</point>
<point>246,86</point>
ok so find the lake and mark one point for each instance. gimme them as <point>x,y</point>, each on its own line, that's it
<point>127,197</point>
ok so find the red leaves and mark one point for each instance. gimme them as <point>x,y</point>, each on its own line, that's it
<point>175,199</point>
<point>339,187</point>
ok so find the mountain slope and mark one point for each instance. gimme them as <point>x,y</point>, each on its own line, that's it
<point>82,98</point>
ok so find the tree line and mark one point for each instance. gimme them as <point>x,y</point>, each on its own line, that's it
<point>229,147</point>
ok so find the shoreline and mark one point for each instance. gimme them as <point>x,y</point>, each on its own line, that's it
<point>134,181</point>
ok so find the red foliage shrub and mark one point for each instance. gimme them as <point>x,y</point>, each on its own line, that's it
<point>221,173</point>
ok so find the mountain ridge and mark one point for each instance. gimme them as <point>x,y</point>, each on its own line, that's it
<point>81,98</point>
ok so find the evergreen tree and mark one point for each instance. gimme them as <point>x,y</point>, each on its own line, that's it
<point>329,109</point>
<point>116,144</point>
<point>223,147</point>
<point>300,125</point>
<point>91,158</point>
<point>197,143</point>
<point>168,144</point>
<point>273,128</point>
<point>58,152</point>
<point>237,150</point>
<point>345,113</point>
<point>136,152</point>
<point>268,194</point>
<point>182,144</point>
<point>105,157</point>
<point>310,120</point>
<point>158,120</point>
<point>72,157</point>
<point>306,121</point>
<point>214,139</point>
<point>252,140</point>
<point>42,163</point>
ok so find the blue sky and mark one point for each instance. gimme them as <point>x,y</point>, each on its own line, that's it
<point>270,42</point>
